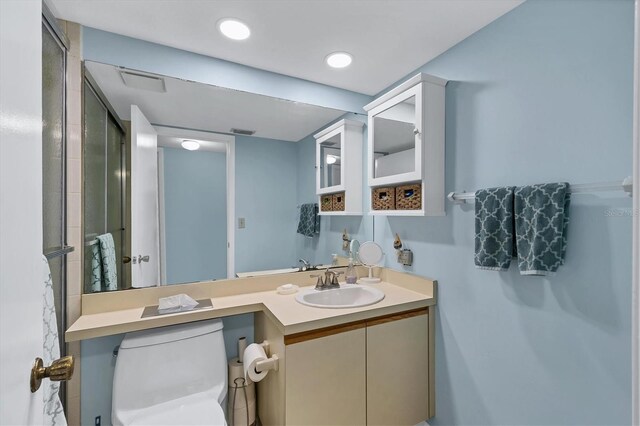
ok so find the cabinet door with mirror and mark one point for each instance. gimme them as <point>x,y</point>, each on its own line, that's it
<point>395,134</point>
<point>339,168</point>
<point>405,150</point>
<point>329,169</point>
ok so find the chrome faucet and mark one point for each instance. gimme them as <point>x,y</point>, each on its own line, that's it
<point>330,280</point>
<point>305,264</point>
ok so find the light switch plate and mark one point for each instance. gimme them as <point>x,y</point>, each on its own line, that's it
<point>241,223</point>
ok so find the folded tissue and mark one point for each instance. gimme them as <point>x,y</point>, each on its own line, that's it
<point>177,303</point>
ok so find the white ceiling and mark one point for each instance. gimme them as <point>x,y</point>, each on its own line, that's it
<point>387,38</point>
<point>203,107</point>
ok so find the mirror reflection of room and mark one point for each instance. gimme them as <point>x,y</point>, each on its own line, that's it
<point>189,182</point>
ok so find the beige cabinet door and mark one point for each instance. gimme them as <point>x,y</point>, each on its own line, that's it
<point>397,370</point>
<point>325,380</point>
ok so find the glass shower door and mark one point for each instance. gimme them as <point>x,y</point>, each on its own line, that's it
<point>53,174</point>
<point>104,188</point>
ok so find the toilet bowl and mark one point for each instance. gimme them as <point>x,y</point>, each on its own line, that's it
<point>172,375</point>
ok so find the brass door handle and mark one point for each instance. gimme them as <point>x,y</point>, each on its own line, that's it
<point>126,259</point>
<point>59,370</point>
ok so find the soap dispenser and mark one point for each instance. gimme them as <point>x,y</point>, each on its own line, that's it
<point>351,276</point>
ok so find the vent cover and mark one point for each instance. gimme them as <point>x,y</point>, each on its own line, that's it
<point>143,81</point>
<point>243,132</point>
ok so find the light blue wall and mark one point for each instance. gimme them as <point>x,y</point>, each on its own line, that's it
<point>542,94</point>
<point>110,48</point>
<point>195,191</point>
<point>318,250</point>
<point>266,197</point>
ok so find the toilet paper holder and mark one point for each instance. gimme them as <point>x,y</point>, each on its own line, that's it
<point>268,364</point>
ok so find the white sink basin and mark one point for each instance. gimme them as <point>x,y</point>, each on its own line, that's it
<point>347,296</point>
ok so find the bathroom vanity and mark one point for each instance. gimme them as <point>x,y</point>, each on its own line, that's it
<point>373,371</point>
<point>365,365</point>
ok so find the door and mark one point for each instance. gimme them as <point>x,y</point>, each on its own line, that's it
<point>398,369</point>
<point>325,380</point>
<point>145,244</point>
<point>21,286</point>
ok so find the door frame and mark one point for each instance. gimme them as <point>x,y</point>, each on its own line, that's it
<point>635,333</point>
<point>230,142</point>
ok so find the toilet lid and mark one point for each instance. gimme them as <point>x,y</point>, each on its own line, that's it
<point>192,410</point>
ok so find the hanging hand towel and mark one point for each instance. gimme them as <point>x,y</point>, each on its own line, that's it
<point>309,224</point>
<point>96,267</point>
<point>494,228</point>
<point>108,258</point>
<point>53,412</point>
<point>541,218</point>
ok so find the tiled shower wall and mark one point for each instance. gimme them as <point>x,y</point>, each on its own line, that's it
<point>74,206</point>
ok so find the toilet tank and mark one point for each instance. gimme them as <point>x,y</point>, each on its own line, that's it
<point>162,364</point>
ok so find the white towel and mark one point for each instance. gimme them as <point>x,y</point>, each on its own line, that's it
<point>53,412</point>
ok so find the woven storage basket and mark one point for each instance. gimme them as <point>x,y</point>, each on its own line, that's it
<point>326,203</point>
<point>338,202</point>
<point>383,198</point>
<point>409,197</point>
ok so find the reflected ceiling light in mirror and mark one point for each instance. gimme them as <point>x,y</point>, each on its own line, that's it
<point>339,59</point>
<point>234,29</point>
<point>190,145</point>
<point>331,159</point>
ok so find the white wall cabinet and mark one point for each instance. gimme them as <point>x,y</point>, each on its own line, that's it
<point>339,168</point>
<point>373,372</point>
<point>406,146</point>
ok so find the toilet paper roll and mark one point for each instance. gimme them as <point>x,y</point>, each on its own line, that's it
<point>252,355</point>
<point>236,369</point>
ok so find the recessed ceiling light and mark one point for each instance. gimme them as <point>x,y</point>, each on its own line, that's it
<point>339,59</point>
<point>234,29</point>
<point>331,159</point>
<point>190,145</point>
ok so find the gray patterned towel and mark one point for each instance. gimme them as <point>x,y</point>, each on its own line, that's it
<point>108,258</point>
<point>541,218</point>
<point>309,224</point>
<point>494,228</point>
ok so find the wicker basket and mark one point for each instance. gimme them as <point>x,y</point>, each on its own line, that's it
<point>383,198</point>
<point>326,203</point>
<point>338,202</point>
<point>409,197</point>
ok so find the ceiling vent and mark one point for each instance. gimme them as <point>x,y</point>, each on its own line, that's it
<point>143,81</point>
<point>243,132</point>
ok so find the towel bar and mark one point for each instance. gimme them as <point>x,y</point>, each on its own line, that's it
<point>626,185</point>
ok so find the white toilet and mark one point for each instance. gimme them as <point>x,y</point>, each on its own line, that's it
<point>174,375</point>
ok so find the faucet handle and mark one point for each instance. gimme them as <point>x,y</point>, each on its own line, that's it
<point>319,282</point>
<point>334,280</point>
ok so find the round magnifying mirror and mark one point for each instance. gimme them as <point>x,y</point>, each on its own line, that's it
<point>370,254</point>
<point>354,248</point>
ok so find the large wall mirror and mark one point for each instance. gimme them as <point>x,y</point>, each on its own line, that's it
<point>188,182</point>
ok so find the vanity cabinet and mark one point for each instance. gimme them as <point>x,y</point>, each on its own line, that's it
<point>371,372</point>
<point>339,168</point>
<point>405,148</point>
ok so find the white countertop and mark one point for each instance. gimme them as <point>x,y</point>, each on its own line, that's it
<point>289,316</point>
